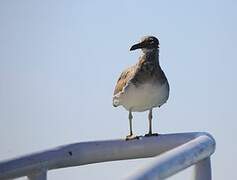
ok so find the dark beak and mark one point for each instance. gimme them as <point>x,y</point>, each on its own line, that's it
<point>137,46</point>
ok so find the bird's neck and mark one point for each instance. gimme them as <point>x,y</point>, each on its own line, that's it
<point>151,55</point>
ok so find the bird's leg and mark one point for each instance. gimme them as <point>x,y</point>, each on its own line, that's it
<point>130,136</point>
<point>130,122</point>
<point>150,121</point>
<point>150,125</point>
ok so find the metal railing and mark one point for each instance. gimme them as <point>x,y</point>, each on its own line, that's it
<point>174,152</point>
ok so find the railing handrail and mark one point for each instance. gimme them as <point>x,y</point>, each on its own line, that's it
<point>179,158</point>
<point>94,152</point>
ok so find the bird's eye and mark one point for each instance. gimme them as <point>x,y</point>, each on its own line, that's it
<point>151,41</point>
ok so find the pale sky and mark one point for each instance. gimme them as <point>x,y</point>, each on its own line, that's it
<point>60,60</point>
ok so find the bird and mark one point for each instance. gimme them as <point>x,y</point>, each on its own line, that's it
<point>143,86</point>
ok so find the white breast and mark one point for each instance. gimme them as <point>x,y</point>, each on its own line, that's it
<point>144,96</point>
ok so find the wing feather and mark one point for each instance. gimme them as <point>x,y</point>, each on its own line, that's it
<point>124,78</point>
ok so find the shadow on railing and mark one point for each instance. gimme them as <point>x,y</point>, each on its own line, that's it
<point>176,152</point>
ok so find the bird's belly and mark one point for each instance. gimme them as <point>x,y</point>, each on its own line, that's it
<point>145,96</point>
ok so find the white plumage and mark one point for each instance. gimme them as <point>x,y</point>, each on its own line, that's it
<point>142,98</point>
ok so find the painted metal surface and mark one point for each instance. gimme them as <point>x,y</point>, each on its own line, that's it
<point>101,151</point>
<point>38,176</point>
<point>202,170</point>
<point>178,159</point>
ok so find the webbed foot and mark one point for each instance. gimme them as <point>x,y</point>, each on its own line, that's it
<point>131,137</point>
<point>151,134</point>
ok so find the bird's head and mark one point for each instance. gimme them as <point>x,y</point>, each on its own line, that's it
<point>147,43</point>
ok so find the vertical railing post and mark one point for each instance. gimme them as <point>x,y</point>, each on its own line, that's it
<point>38,176</point>
<point>202,170</point>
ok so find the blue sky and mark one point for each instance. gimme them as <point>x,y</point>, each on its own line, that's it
<point>60,60</point>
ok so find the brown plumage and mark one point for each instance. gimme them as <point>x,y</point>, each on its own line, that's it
<point>124,78</point>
